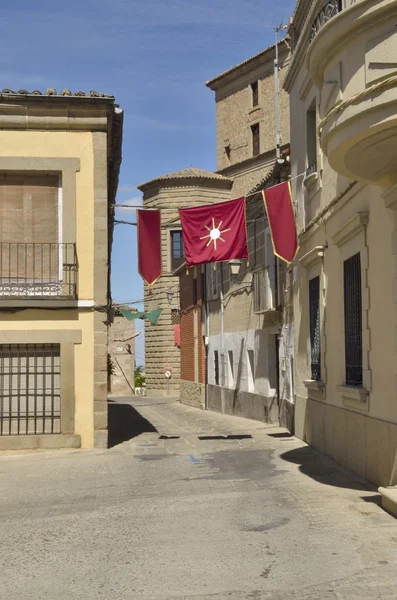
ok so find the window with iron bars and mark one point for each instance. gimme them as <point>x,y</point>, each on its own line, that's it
<point>216,366</point>
<point>315,344</point>
<point>353,321</point>
<point>30,399</point>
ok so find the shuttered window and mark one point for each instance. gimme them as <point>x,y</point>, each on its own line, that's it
<point>29,208</point>
<point>29,228</point>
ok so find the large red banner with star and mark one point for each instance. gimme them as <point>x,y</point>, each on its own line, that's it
<point>215,232</point>
<point>280,214</point>
<point>149,245</point>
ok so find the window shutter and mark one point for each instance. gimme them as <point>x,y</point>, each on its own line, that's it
<point>29,226</point>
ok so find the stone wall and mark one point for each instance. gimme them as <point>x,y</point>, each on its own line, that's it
<point>242,404</point>
<point>192,394</point>
<point>122,354</point>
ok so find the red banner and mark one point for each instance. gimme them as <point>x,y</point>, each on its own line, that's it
<point>149,245</point>
<point>280,214</point>
<point>215,232</point>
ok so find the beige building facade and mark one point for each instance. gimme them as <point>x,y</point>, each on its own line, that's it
<point>343,101</point>
<point>249,329</point>
<point>59,162</point>
<point>188,187</point>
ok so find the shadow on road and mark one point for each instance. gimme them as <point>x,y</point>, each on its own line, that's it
<point>125,423</point>
<point>322,469</point>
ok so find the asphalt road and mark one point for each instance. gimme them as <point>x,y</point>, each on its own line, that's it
<point>261,517</point>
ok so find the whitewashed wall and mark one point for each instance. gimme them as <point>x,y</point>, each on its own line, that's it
<point>263,346</point>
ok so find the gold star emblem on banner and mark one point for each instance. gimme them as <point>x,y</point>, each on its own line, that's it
<point>215,233</point>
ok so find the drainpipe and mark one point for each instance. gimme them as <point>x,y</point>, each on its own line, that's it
<point>206,334</point>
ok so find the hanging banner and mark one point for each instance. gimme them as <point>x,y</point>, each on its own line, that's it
<point>215,232</point>
<point>280,214</point>
<point>149,245</point>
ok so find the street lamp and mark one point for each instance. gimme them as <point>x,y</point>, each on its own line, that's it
<point>170,295</point>
<point>234,265</point>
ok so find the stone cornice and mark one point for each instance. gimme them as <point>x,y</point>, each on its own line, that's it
<point>299,54</point>
<point>351,228</point>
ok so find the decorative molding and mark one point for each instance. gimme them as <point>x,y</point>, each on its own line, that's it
<point>316,389</point>
<point>305,86</point>
<point>310,180</point>
<point>390,197</point>
<point>54,302</point>
<point>41,336</point>
<point>314,256</point>
<point>350,229</point>
<point>354,397</point>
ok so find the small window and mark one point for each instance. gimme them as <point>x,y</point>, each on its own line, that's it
<point>255,139</point>
<point>231,368</point>
<point>228,152</point>
<point>251,370</point>
<point>353,321</point>
<point>311,139</point>
<point>177,250</point>
<point>216,366</point>
<point>314,310</point>
<point>255,93</point>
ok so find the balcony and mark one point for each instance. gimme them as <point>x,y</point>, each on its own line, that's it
<point>350,60</point>
<point>329,10</point>
<point>38,271</point>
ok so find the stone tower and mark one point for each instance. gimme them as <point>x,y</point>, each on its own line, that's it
<point>186,188</point>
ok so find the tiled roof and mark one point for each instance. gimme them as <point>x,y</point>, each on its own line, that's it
<point>190,173</point>
<point>242,64</point>
<point>53,92</point>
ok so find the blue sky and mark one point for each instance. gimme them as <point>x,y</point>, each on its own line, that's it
<point>154,56</point>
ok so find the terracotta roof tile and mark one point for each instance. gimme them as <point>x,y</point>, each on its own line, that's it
<point>189,173</point>
<point>53,92</point>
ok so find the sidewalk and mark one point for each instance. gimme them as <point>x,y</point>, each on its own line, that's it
<point>167,515</point>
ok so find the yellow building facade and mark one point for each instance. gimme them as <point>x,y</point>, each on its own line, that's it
<point>59,165</point>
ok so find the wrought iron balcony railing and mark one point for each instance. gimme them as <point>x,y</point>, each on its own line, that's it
<point>311,169</point>
<point>38,270</point>
<point>329,10</point>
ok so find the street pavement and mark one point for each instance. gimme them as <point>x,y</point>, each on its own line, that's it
<point>167,515</point>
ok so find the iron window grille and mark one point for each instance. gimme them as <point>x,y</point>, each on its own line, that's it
<point>353,321</point>
<point>30,400</point>
<point>216,365</point>
<point>315,333</point>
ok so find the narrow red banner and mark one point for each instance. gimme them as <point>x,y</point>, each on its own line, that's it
<point>149,245</point>
<point>215,232</point>
<point>280,214</point>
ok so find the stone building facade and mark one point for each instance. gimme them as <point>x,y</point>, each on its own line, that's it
<point>343,103</point>
<point>189,187</point>
<point>121,350</point>
<point>249,341</point>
